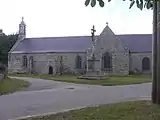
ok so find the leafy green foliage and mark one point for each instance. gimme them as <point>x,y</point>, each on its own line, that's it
<point>140,3</point>
<point>87,2</point>
<point>101,3</point>
<point>6,43</point>
<point>93,3</point>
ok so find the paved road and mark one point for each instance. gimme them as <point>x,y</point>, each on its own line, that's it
<point>50,96</point>
<point>41,84</point>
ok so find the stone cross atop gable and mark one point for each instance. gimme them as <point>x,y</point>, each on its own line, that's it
<point>107,23</point>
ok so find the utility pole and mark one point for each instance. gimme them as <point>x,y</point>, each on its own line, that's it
<point>158,53</point>
<point>154,54</point>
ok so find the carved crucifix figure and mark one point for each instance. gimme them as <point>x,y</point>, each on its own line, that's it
<point>92,32</point>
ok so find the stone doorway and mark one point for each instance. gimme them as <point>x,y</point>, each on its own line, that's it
<point>50,70</point>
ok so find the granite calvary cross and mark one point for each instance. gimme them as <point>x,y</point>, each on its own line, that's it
<point>93,33</point>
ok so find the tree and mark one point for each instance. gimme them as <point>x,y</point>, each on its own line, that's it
<point>140,3</point>
<point>155,5</point>
<point>6,43</point>
<point>154,55</point>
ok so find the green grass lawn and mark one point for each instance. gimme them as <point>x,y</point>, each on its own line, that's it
<point>11,85</point>
<point>135,110</point>
<point>109,81</point>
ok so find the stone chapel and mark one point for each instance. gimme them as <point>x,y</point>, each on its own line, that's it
<point>105,53</point>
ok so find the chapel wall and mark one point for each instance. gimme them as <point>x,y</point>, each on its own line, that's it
<point>108,42</point>
<point>42,61</point>
<point>120,63</point>
<point>53,59</point>
<point>136,61</point>
<point>15,64</point>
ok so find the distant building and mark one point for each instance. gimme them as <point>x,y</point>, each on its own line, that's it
<point>113,54</point>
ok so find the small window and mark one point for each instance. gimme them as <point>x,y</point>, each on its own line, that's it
<point>25,61</point>
<point>31,61</point>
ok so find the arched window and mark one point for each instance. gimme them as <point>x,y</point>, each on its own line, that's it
<point>50,70</point>
<point>145,64</point>
<point>107,61</point>
<point>78,62</point>
<point>25,61</point>
<point>31,61</point>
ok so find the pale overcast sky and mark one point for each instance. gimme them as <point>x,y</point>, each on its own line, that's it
<point>71,17</point>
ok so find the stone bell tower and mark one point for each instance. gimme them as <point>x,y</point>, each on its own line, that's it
<point>22,30</point>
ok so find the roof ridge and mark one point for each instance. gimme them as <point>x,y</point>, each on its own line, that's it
<point>80,36</point>
<point>57,37</point>
<point>132,34</point>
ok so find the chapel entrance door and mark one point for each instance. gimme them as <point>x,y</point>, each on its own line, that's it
<point>50,70</point>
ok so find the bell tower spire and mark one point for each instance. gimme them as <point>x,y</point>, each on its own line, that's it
<point>22,29</point>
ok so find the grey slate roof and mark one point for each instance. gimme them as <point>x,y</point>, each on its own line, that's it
<point>54,44</point>
<point>136,43</point>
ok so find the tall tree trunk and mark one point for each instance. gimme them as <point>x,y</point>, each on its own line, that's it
<point>154,54</point>
<point>158,53</point>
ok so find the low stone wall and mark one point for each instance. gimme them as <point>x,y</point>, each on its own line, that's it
<point>1,77</point>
